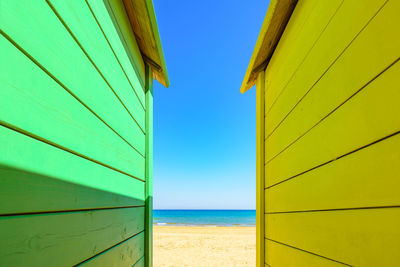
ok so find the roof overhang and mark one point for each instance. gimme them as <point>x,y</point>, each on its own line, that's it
<point>278,15</point>
<point>144,24</point>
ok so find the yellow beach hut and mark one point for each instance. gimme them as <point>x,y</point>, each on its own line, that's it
<point>76,115</point>
<point>327,75</point>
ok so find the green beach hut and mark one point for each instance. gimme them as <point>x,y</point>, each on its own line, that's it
<point>76,114</point>
<point>327,76</point>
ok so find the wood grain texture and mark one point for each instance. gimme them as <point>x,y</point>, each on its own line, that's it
<point>338,35</point>
<point>304,29</point>
<point>75,158</point>
<point>128,254</point>
<point>139,19</point>
<point>366,178</point>
<point>115,24</point>
<point>143,22</point>
<point>278,14</point>
<point>65,239</point>
<point>19,151</point>
<point>260,87</point>
<point>332,137</point>
<point>140,263</point>
<point>347,76</point>
<point>355,237</point>
<point>79,19</point>
<point>25,192</point>
<point>280,255</point>
<point>42,107</point>
<point>367,117</point>
<point>42,37</point>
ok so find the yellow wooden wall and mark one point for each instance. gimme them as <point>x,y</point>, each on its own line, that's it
<point>332,142</point>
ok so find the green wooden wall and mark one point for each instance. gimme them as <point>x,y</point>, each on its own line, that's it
<point>75,136</point>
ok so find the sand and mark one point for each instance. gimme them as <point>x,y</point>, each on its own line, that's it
<point>204,246</point>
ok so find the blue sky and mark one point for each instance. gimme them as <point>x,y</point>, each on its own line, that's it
<point>204,128</point>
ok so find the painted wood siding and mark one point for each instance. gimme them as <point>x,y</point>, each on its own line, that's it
<point>75,140</point>
<point>332,138</point>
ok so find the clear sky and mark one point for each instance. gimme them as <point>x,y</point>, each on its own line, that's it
<point>204,128</point>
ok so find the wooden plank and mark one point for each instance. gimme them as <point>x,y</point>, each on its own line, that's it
<point>260,87</point>
<point>149,169</point>
<point>25,192</point>
<point>126,254</point>
<point>48,43</point>
<point>43,108</point>
<point>370,115</point>
<point>21,152</point>
<point>139,20</point>
<point>122,39</point>
<point>377,43</point>
<point>306,25</point>
<point>366,178</point>
<point>80,21</point>
<point>368,237</point>
<point>140,263</point>
<point>338,35</point>
<point>278,14</point>
<point>280,255</point>
<point>65,239</point>
<point>143,22</point>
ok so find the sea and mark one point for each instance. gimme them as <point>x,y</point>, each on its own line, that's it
<point>211,218</point>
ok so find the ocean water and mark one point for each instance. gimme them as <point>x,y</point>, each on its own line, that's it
<point>204,217</point>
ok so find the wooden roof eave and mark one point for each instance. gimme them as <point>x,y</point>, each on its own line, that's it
<point>144,25</point>
<point>275,21</point>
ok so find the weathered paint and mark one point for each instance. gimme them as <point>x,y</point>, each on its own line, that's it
<point>127,254</point>
<point>331,148</point>
<point>76,133</point>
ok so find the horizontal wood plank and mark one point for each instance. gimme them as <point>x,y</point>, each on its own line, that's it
<point>143,22</point>
<point>45,39</point>
<point>366,178</point>
<point>42,107</point>
<point>65,239</point>
<point>115,23</point>
<point>377,44</point>
<point>275,22</point>
<point>80,20</point>
<point>126,254</point>
<point>21,152</point>
<point>369,116</point>
<point>284,256</point>
<point>140,263</point>
<point>307,23</point>
<point>355,237</point>
<point>337,36</point>
<point>25,192</point>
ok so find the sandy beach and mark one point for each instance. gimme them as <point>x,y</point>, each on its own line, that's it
<point>204,246</point>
